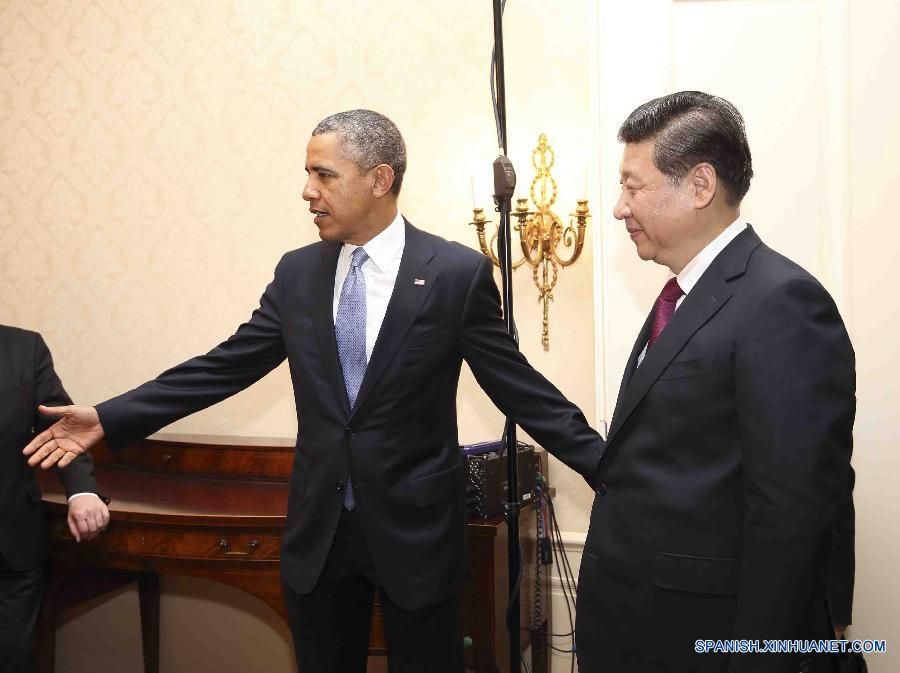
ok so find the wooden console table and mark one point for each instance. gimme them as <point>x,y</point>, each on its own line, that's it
<point>214,507</point>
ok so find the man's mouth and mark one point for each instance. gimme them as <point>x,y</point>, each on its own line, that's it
<point>318,214</point>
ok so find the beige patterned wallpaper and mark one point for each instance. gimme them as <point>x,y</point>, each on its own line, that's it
<point>151,164</point>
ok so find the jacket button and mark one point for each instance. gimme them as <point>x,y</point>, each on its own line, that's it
<point>340,486</point>
<point>602,489</point>
<point>349,430</point>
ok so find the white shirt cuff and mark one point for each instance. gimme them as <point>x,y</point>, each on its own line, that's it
<point>75,495</point>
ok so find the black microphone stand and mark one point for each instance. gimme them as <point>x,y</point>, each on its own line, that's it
<point>504,188</point>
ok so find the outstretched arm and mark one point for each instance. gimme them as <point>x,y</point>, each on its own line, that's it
<point>249,354</point>
<point>518,390</point>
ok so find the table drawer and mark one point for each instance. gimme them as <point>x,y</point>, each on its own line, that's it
<point>151,542</point>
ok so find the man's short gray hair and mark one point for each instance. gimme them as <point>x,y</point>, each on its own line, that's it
<point>368,139</point>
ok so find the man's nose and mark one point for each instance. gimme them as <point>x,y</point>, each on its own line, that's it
<point>621,209</point>
<point>309,193</point>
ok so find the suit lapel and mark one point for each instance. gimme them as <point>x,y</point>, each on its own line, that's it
<point>630,368</point>
<point>707,297</point>
<point>406,302</point>
<point>322,283</point>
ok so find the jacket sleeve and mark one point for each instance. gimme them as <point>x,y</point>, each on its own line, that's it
<point>842,563</point>
<point>48,390</point>
<point>795,394</point>
<point>254,350</point>
<point>518,390</point>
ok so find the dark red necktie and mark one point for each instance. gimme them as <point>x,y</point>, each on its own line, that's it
<point>665,307</point>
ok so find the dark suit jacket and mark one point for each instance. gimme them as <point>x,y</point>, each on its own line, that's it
<point>27,379</point>
<point>399,442</point>
<point>726,462</point>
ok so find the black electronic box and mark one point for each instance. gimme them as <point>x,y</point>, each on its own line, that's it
<point>487,478</point>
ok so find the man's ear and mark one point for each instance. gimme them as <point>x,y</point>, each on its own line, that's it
<point>705,184</point>
<point>384,180</point>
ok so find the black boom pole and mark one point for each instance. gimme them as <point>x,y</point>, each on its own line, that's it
<point>504,188</point>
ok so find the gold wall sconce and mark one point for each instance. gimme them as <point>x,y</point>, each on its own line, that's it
<point>546,243</point>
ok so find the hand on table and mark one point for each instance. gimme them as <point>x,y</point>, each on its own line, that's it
<point>88,516</point>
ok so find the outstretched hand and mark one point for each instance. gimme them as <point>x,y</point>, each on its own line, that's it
<point>77,430</point>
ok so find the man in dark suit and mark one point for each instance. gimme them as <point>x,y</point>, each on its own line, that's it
<point>728,453</point>
<point>27,379</point>
<point>375,321</point>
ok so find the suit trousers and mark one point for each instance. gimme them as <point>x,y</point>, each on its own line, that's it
<point>21,592</point>
<point>330,625</point>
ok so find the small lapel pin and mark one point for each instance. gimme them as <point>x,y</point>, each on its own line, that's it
<point>419,281</point>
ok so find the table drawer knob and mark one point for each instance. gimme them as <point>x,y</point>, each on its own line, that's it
<point>251,545</point>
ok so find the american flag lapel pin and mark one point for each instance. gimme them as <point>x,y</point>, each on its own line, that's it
<point>419,281</point>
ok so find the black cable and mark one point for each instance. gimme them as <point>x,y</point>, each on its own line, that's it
<point>566,586</point>
<point>559,649</point>
<point>570,574</point>
<point>566,567</point>
<point>570,603</point>
<point>494,86</point>
<point>556,553</point>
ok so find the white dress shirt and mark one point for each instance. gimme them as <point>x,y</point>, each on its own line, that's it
<point>379,272</point>
<point>694,269</point>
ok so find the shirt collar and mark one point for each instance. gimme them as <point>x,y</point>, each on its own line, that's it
<point>385,247</point>
<point>694,269</point>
